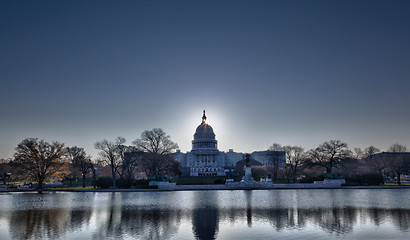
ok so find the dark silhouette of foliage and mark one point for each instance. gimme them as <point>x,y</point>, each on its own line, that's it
<point>111,155</point>
<point>155,141</point>
<point>157,160</point>
<point>294,157</point>
<point>80,161</point>
<point>365,179</point>
<point>162,165</point>
<point>371,150</point>
<point>377,163</point>
<point>129,161</point>
<point>6,168</point>
<point>104,182</point>
<point>125,183</point>
<point>41,161</point>
<point>328,155</point>
<point>397,160</point>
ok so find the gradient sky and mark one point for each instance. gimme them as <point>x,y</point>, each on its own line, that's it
<point>290,72</point>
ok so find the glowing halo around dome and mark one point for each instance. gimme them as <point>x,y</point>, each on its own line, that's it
<point>205,160</point>
<point>204,137</point>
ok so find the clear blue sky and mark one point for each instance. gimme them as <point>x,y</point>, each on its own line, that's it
<point>291,72</point>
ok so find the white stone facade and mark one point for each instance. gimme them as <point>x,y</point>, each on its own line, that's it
<point>204,159</point>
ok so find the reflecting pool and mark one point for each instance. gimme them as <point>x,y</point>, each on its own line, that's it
<point>257,214</point>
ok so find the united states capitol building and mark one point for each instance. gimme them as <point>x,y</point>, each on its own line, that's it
<point>206,160</point>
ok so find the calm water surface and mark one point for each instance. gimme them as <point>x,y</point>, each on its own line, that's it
<point>260,214</point>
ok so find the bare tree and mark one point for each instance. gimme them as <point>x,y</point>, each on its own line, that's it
<point>369,151</point>
<point>109,151</point>
<point>161,165</point>
<point>158,146</point>
<point>155,141</point>
<point>41,161</point>
<point>377,163</point>
<point>132,159</point>
<point>294,157</point>
<point>358,153</point>
<point>276,147</point>
<point>288,171</point>
<point>80,160</point>
<point>398,161</point>
<point>397,148</point>
<point>129,161</point>
<point>93,167</point>
<point>276,164</point>
<point>329,154</point>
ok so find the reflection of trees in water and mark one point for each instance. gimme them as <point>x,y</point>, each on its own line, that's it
<point>44,222</point>
<point>47,223</point>
<point>113,221</point>
<point>79,218</point>
<point>118,219</point>
<point>333,220</point>
<point>342,220</point>
<point>150,224</point>
<point>38,224</point>
<point>109,218</point>
<point>139,222</point>
<point>401,219</point>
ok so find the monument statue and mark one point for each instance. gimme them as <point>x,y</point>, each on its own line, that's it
<point>247,160</point>
<point>248,172</point>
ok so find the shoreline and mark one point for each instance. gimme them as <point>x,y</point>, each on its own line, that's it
<point>202,188</point>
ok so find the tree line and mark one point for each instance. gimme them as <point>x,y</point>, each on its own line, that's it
<point>39,161</point>
<point>334,157</point>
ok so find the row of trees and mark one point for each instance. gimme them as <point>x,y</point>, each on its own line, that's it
<point>40,161</point>
<point>335,155</point>
<point>150,154</point>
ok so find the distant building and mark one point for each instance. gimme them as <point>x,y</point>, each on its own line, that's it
<point>270,158</point>
<point>400,158</point>
<point>206,160</point>
<point>390,154</point>
<point>231,158</point>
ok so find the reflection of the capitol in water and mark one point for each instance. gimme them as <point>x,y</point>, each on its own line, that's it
<point>295,214</point>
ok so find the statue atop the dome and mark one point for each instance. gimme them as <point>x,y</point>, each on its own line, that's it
<point>203,118</point>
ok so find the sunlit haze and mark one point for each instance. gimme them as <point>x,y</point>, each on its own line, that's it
<point>288,72</point>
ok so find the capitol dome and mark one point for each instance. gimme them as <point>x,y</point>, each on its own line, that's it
<point>204,137</point>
